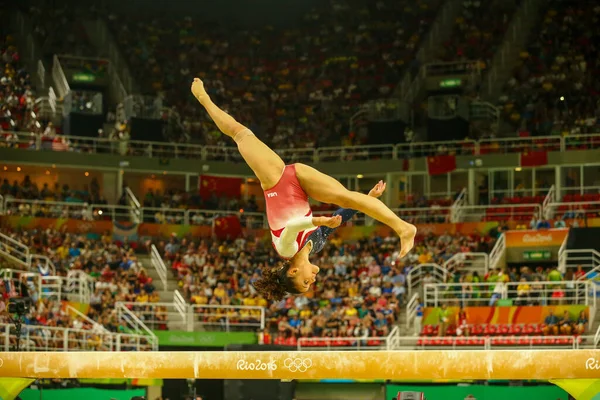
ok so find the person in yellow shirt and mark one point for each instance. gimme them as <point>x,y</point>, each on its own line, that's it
<point>261,301</point>
<point>142,297</point>
<point>219,291</point>
<point>63,251</point>
<point>249,301</point>
<point>350,312</point>
<point>305,313</point>
<point>199,299</point>
<point>425,257</point>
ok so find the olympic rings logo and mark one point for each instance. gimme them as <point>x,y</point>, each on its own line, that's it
<point>297,364</point>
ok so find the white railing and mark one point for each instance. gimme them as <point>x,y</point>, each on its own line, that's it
<point>497,253</point>
<point>159,265</point>
<point>180,306</point>
<point>16,277</point>
<point>597,337</point>
<point>411,309</point>
<point>45,338</point>
<point>95,326</point>
<point>345,343</point>
<point>132,322</point>
<point>589,259</point>
<point>503,212</point>
<point>134,205</point>
<point>338,153</point>
<point>521,293</point>
<point>457,206</point>
<point>15,251</point>
<point>158,316</point>
<point>445,342</point>
<point>57,209</point>
<point>468,262</point>
<point>562,256</point>
<point>572,209</point>
<point>226,317</point>
<point>549,199</point>
<point>423,273</point>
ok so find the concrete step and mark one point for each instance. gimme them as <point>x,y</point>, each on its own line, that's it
<point>166,296</point>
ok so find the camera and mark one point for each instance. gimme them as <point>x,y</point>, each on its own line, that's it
<point>19,305</point>
<point>411,396</point>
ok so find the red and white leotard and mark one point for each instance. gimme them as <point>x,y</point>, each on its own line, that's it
<point>289,214</point>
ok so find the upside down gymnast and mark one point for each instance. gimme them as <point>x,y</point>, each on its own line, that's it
<point>295,233</point>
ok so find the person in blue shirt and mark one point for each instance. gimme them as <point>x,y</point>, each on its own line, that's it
<point>419,317</point>
<point>543,224</point>
<point>551,323</point>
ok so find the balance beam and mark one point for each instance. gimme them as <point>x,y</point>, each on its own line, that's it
<point>401,365</point>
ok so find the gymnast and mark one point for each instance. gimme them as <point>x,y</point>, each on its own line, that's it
<point>295,233</point>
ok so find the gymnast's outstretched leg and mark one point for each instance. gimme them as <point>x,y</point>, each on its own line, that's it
<point>264,162</point>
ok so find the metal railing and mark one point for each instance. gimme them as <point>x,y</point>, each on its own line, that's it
<point>15,251</point>
<point>495,212</point>
<point>521,293</point>
<point>411,309</point>
<point>78,314</point>
<point>468,262</point>
<point>419,275</point>
<point>498,251</point>
<point>445,342</point>
<point>589,259</point>
<point>91,212</point>
<point>159,265</point>
<point>46,338</point>
<point>227,318</point>
<point>29,141</point>
<point>550,198</point>
<point>158,316</point>
<point>132,322</point>
<point>572,209</point>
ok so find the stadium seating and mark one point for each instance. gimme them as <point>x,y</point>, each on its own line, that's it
<point>300,85</point>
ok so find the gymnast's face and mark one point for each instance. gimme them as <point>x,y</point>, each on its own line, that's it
<point>303,274</point>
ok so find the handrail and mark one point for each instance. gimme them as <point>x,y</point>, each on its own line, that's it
<point>192,313</point>
<point>497,252</point>
<point>411,309</point>
<point>460,259</point>
<point>549,199</point>
<point>455,210</point>
<point>562,256</point>
<point>99,210</point>
<point>96,326</point>
<point>437,271</point>
<point>436,293</point>
<point>380,343</point>
<point>159,265</point>
<point>334,153</point>
<point>125,315</point>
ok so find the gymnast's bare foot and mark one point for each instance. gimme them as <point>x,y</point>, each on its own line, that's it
<point>407,238</point>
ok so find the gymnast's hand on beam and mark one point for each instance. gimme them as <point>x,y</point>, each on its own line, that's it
<point>330,222</point>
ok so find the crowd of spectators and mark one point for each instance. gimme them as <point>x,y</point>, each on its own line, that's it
<point>297,86</point>
<point>17,100</point>
<point>116,272</point>
<point>478,31</point>
<point>362,289</point>
<point>554,89</point>
<point>51,199</point>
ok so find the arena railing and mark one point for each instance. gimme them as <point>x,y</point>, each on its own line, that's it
<point>589,259</point>
<point>28,141</point>
<point>159,266</point>
<point>134,324</point>
<point>411,309</point>
<point>498,252</point>
<point>78,314</point>
<point>445,343</point>
<point>417,276</point>
<point>572,209</point>
<point>470,262</point>
<point>47,338</point>
<point>15,251</point>
<point>481,294</point>
<point>229,318</point>
<point>159,316</point>
<point>91,212</point>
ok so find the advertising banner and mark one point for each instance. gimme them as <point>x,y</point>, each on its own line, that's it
<point>480,392</point>
<point>505,315</point>
<point>204,339</point>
